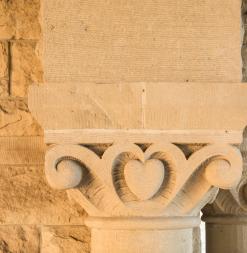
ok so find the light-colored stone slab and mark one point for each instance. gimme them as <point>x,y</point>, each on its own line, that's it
<point>4,68</point>
<point>92,136</point>
<point>156,106</point>
<point>88,105</point>
<point>196,106</point>
<point>112,41</point>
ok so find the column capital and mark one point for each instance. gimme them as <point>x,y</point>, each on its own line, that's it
<point>133,176</point>
<point>141,158</point>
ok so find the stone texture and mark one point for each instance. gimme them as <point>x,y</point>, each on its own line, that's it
<point>244,46</point>
<point>4,68</point>
<point>26,150</point>
<point>19,19</point>
<point>15,118</point>
<point>88,106</point>
<point>196,106</point>
<point>155,106</point>
<point>25,198</point>
<point>19,239</point>
<point>145,40</point>
<point>64,239</point>
<point>26,67</point>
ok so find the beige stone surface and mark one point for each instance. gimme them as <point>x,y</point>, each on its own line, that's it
<point>19,239</point>
<point>65,239</point>
<point>19,19</point>
<point>4,68</point>
<point>88,106</point>
<point>112,41</point>
<point>144,241</point>
<point>196,106</point>
<point>25,198</point>
<point>26,67</point>
<point>166,106</point>
<point>15,118</point>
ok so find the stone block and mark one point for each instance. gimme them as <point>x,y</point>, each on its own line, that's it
<point>89,106</point>
<point>26,198</point>
<point>19,19</point>
<point>15,118</point>
<point>4,68</point>
<point>156,106</point>
<point>64,239</point>
<point>212,106</point>
<point>135,41</point>
<point>26,67</point>
<point>17,239</point>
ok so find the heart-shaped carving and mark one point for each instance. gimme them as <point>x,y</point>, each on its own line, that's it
<point>144,180</point>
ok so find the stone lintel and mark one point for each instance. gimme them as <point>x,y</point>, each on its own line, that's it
<point>156,106</point>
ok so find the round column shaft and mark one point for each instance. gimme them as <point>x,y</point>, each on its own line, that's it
<point>139,235</point>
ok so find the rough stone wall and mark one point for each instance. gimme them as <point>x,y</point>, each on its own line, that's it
<point>33,217</point>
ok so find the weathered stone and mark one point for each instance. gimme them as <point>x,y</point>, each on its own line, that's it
<point>64,239</point>
<point>4,68</point>
<point>25,198</point>
<point>26,67</point>
<point>19,19</point>
<point>15,118</point>
<point>19,239</point>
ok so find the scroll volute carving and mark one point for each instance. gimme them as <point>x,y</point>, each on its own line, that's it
<point>158,179</point>
<point>232,202</point>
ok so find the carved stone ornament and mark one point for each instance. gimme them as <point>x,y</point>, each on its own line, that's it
<point>128,179</point>
<point>135,163</point>
<point>141,191</point>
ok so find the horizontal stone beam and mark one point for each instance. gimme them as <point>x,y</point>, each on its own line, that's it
<point>163,106</point>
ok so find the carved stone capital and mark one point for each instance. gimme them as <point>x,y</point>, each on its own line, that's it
<point>155,179</point>
<point>129,182</point>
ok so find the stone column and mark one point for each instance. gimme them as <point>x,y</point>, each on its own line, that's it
<point>226,217</point>
<point>140,197</point>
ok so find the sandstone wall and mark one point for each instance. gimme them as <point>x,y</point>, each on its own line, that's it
<point>33,217</point>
